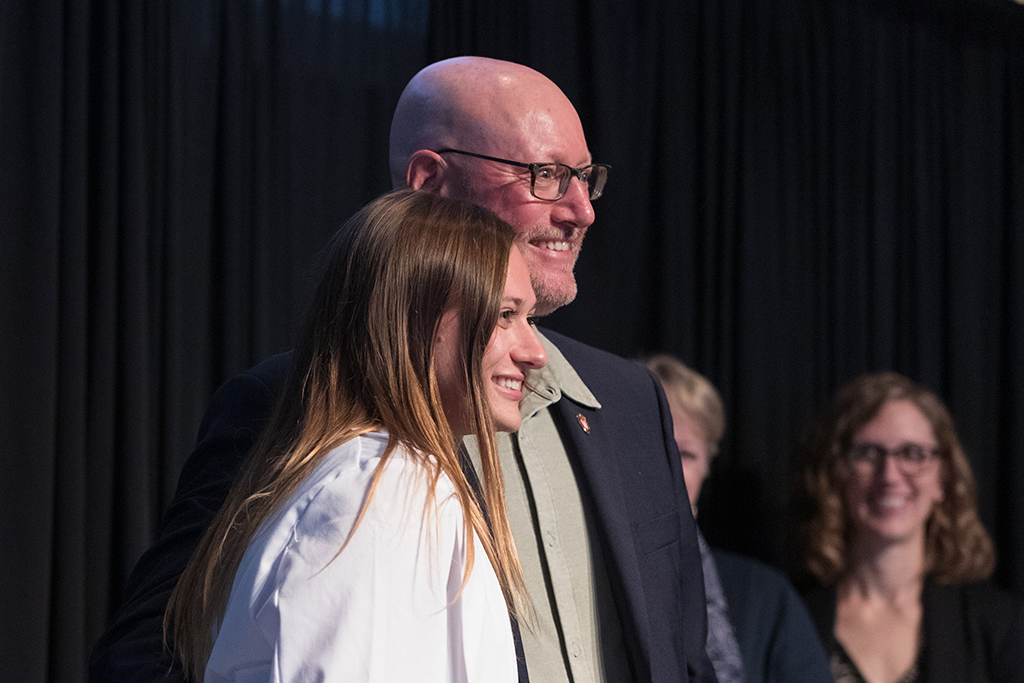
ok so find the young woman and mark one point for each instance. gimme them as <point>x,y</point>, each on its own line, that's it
<point>346,551</point>
<point>889,527</point>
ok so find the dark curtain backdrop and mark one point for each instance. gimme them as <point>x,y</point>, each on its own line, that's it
<point>803,190</point>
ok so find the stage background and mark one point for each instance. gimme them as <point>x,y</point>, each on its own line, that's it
<point>803,190</point>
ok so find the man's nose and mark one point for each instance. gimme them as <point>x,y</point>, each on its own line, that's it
<point>575,205</point>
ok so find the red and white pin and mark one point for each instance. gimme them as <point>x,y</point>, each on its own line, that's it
<point>583,423</point>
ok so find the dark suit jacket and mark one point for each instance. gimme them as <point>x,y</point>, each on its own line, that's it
<point>973,633</point>
<point>630,476</point>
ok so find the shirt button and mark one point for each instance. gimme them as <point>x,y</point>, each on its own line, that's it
<point>576,649</point>
<point>551,539</point>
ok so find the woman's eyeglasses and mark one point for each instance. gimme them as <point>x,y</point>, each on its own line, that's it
<point>911,458</point>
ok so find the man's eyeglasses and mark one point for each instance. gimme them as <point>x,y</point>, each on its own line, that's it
<point>911,458</point>
<point>550,181</point>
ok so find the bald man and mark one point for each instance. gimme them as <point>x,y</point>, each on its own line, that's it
<point>596,497</point>
<point>455,109</point>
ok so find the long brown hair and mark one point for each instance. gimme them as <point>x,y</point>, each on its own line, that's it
<point>365,361</point>
<point>957,547</point>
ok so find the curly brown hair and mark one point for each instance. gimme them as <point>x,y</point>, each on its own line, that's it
<point>957,547</point>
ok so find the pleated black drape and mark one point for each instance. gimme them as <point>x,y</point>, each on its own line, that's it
<point>853,201</point>
<point>169,170</point>
<point>802,191</point>
<point>837,188</point>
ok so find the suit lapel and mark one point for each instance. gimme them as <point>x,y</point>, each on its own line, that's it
<point>597,471</point>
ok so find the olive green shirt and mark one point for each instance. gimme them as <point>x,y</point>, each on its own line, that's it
<point>574,633</point>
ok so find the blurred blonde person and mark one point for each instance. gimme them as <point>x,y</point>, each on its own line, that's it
<point>758,629</point>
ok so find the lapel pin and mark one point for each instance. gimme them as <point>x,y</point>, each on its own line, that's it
<point>583,423</point>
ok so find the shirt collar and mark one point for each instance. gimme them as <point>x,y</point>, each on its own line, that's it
<point>548,384</point>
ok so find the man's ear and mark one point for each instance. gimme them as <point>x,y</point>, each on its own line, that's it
<point>426,171</point>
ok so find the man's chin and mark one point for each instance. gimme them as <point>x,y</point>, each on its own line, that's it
<point>550,299</point>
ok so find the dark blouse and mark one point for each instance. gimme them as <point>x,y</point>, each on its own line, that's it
<point>971,633</point>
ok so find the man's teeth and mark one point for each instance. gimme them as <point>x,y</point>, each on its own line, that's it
<point>510,383</point>
<point>554,246</point>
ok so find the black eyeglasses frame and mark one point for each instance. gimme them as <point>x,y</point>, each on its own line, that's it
<point>592,190</point>
<point>911,458</point>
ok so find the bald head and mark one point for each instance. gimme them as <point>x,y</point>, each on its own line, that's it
<point>477,104</point>
<point>509,111</point>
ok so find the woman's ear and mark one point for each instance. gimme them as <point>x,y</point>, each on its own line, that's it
<point>426,171</point>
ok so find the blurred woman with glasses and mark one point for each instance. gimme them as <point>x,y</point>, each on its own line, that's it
<point>887,524</point>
